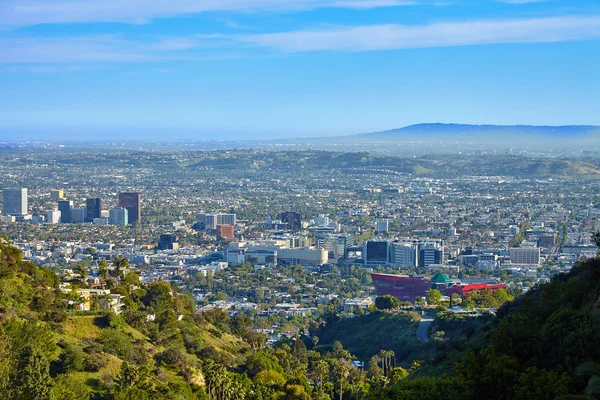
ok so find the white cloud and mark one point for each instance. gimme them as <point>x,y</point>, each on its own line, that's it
<point>14,13</point>
<point>388,37</point>
<point>108,49</point>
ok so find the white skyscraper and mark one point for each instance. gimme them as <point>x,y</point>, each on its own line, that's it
<point>53,217</point>
<point>15,201</point>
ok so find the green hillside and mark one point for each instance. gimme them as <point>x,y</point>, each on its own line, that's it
<point>367,335</point>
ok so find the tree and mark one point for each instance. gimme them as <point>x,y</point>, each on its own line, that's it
<point>374,372</point>
<point>387,302</point>
<point>321,371</point>
<point>596,239</point>
<point>433,297</point>
<point>103,269</point>
<point>341,371</point>
<point>33,380</point>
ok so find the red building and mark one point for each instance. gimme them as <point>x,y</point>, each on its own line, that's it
<point>225,232</point>
<point>404,288</point>
<point>469,288</point>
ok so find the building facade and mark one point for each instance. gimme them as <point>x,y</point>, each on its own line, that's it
<point>93,209</point>
<point>15,201</point>
<point>132,201</point>
<point>64,206</point>
<point>119,216</point>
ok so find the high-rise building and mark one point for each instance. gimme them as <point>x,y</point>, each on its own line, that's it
<point>78,215</point>
<point>383,226</point>
<point>430,254</point>
<point>53,217</point>
<point>404,254</point>
<point>57,195</point>
<point>376,252</point>
<point>132,201</point>
<point>119,216</point>
<point>337,244</point>
<point>15,201</point>
<point>64,206</point>
<point>525,255</point>
<point>212,220</point>
<point>93,209</point>
<point>167,242</point>
<point>293,219</point>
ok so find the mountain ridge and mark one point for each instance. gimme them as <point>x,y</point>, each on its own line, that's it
<point>438,128</point>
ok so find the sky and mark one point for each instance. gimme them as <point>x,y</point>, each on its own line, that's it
<point>263,69</point>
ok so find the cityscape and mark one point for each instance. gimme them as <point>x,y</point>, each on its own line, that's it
<point>299,200</point>
<point>285,252</point>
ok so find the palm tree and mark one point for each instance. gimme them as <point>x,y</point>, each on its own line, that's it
<point>593,387</point>
<point>321,369</point>
<point>341,371</point>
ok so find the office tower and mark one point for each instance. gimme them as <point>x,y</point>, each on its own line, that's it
<point>53,217</point>
<point>525,255</point>
<point>64,206</point>
<point>376,252</point>
<point>93,209</point>
<point>383,226</point>
<point>57,195</point>
<point>212,220</point>
<point>430,254</point>
<point>132,201</point>
<point>168,242</point>
<point>293,219</point>
<point>405,254</point>
<point>77,215</point>
<point>119,216</point>
<point>15,201</point>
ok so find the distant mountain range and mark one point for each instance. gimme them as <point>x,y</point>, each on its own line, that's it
<point>464,131</point>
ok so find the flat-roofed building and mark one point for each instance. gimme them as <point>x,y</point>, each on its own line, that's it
<point>525,255</point>
<point>15,201</point>
<point>132,201</point>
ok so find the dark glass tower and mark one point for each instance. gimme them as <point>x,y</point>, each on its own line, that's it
<point>133,203</point>
<point>93,209</point>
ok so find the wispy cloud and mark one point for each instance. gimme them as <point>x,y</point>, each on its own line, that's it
<point>109,49</point>
<point>388,37</point>
<point>521,1</point>
<point>15,13</point>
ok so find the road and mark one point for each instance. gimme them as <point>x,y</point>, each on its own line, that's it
<point>423,329</point>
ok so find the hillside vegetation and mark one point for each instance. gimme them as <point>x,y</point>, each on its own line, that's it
<point>380,330</point>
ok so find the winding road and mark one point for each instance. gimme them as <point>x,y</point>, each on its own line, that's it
<point>423,329</point>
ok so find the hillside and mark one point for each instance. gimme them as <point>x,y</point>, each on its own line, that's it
<point>362,163</point>
<point>441,131</point>
<point>50,351</point>
<point>532,350</point>
<point>367,335</point>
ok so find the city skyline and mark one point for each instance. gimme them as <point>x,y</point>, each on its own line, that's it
<point>267,69</point>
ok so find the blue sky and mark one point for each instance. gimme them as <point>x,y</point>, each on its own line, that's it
<point>289,68</point>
